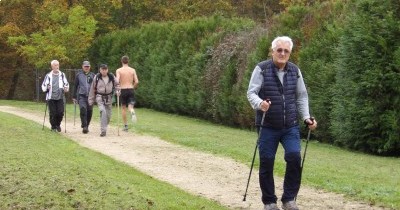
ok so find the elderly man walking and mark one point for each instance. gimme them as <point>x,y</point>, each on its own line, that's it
<point>55,84</point>
<point>278,94</point>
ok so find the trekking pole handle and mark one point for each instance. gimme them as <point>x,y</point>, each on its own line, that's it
<point>308,123</point>
<point>265,105</point>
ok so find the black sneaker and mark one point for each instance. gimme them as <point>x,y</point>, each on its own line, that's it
<point>85,130</point>
<point>58,129</point>
<point>102,134</point>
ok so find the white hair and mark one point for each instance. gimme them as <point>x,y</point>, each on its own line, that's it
<point>282,39</point>
<point>54,62</point>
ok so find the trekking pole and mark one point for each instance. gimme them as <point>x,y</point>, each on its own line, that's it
<point>118,114</point>
<point>254,156</point>
<point>74,112</point>
<point>305,151</point>
<point>44,118</point>
<point>65,113</point>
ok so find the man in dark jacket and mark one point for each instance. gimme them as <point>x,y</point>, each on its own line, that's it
<point>278,94</point>
<point>83,81</point>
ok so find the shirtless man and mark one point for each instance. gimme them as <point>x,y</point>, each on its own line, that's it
<point>128,81</point>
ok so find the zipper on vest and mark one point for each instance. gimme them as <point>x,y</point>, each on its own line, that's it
<point>283,98</point>
<point>284,110</point>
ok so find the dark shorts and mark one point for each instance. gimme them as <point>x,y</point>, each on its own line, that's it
<point>127,97</point>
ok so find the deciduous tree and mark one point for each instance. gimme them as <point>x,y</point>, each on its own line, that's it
<point>65,35</point>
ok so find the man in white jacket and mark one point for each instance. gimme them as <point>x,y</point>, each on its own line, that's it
<point>55,84</point>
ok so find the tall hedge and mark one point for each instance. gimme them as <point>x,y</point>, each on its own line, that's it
<point>349,55</point>
<point>366,106</point>
<point>348,51</point>
<point>317,61</point>
<point>197,68</point>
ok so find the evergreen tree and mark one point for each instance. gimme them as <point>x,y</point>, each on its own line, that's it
<point>366,104</point>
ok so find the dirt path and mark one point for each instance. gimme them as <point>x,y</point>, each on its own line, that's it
<point>216,178</point>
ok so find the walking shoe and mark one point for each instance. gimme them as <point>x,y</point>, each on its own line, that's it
<point>58,129</point>
<point>133,116</point>
<point>125,128</point>
<point>85,130</point>
<point>102,134</point>
<point>271,206</point>
<point>290,205</point>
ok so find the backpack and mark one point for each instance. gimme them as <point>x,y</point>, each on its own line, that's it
<point>112,79</point>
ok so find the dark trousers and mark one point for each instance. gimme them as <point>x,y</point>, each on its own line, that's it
<point>86,111</point>
<point>268,145</point>
<point>56,109</point>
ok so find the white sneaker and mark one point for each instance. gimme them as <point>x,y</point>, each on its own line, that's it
<point>133,116</point>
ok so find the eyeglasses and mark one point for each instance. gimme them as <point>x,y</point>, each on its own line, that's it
<point>280,50</point>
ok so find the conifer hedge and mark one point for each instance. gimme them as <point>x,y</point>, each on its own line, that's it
<point>366,103</point>
<point>349,54</point>
<point>196,68</point>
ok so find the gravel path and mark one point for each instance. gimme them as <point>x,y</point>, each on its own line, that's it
<point>216,178</point>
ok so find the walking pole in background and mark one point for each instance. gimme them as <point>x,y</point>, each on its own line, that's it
<point>118,113</point>
<point>44,118</point>
<point>74,112</point>
<point>65,113</point>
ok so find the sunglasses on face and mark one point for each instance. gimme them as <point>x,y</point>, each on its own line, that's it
<point>280,50</point>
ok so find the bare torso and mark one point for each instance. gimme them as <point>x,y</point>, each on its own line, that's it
<point>127,77</point>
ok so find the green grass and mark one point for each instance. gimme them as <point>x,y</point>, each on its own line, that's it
<point>44,170</point>
<point>359,176</point>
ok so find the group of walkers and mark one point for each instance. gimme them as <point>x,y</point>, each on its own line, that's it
<point>276,91</point>
<point>91,88</point>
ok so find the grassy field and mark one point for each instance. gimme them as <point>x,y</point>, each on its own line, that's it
<point>43,170</point>
<point>359,176</point>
